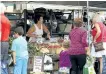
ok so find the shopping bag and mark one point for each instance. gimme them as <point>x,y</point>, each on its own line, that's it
<point>48,63</point>
<point>92,52</point>
<point>89,61</point>
<point>85,71</point>
<point>104,65</point>
<point>89,70</point>
<point>89,66</point>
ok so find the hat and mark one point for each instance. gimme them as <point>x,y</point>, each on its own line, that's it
<point>19,30</point>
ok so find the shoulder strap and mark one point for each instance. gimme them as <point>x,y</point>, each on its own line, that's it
<point>41,27</point>
<point>36,27</point>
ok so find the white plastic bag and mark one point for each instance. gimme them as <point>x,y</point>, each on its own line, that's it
<point>93,53</point>
<point>89,66</point>
<point>48,63</point>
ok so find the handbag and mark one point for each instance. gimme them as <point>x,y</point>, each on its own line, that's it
<point>99,45</point>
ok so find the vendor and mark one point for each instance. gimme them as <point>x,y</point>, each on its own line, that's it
<point>36,31</point>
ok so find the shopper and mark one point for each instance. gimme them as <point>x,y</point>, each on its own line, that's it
<point>36,31</point>
<point>20,52</point>
<point>105,21</point>
<point>64,60</point>
<point>4,37</point>
<point>78,44</point>
<point>99,31</point>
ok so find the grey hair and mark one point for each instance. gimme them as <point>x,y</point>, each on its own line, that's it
<point>2,8</point>
<point>98,17</point>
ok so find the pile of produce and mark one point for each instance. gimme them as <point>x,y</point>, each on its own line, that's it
<point>34,49</point>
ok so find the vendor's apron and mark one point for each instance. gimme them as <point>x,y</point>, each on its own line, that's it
<point>39,33</point>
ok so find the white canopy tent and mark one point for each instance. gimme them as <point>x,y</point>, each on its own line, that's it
<point>97,5</point>
<point>88,6</point>
<point>52,6</point>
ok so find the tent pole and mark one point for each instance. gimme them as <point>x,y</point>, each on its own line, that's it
<point>88,24</point>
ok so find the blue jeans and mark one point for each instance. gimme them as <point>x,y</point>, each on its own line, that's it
<point>104,64</point>
<point>21,65</point>
<point>4,56</point>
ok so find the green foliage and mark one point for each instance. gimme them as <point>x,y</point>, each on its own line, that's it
<point>34,49</point>
<point>10,42</point>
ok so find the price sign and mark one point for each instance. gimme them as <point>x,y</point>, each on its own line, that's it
<point>38,62</point>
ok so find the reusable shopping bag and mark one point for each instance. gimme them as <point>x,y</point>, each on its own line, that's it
<point>89,66</point>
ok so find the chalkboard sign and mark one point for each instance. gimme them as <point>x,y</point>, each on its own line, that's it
<point>104,64</point>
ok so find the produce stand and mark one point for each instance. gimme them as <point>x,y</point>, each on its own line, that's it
<point>48,56</point>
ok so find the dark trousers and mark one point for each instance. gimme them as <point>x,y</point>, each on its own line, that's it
<point>4,57</point>
<point>78,62</point>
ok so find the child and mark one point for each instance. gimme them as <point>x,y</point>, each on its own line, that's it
<point>20,52</point>
<point>64,60</point>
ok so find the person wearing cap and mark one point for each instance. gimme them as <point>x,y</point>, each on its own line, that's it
<point>20,52</point>
<point>78,47</point>
<point>4,38</point>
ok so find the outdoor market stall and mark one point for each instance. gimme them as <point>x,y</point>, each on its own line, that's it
<point>44,56</point>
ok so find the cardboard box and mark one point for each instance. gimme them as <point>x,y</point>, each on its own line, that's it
<point>56,66</point>
<point>30,63</point>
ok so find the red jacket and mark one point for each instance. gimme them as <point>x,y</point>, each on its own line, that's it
<point>5,28</point>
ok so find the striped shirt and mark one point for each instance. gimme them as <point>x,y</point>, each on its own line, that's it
<point>78,41</point>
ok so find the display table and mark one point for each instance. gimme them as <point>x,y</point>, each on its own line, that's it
<point>48,51</point>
